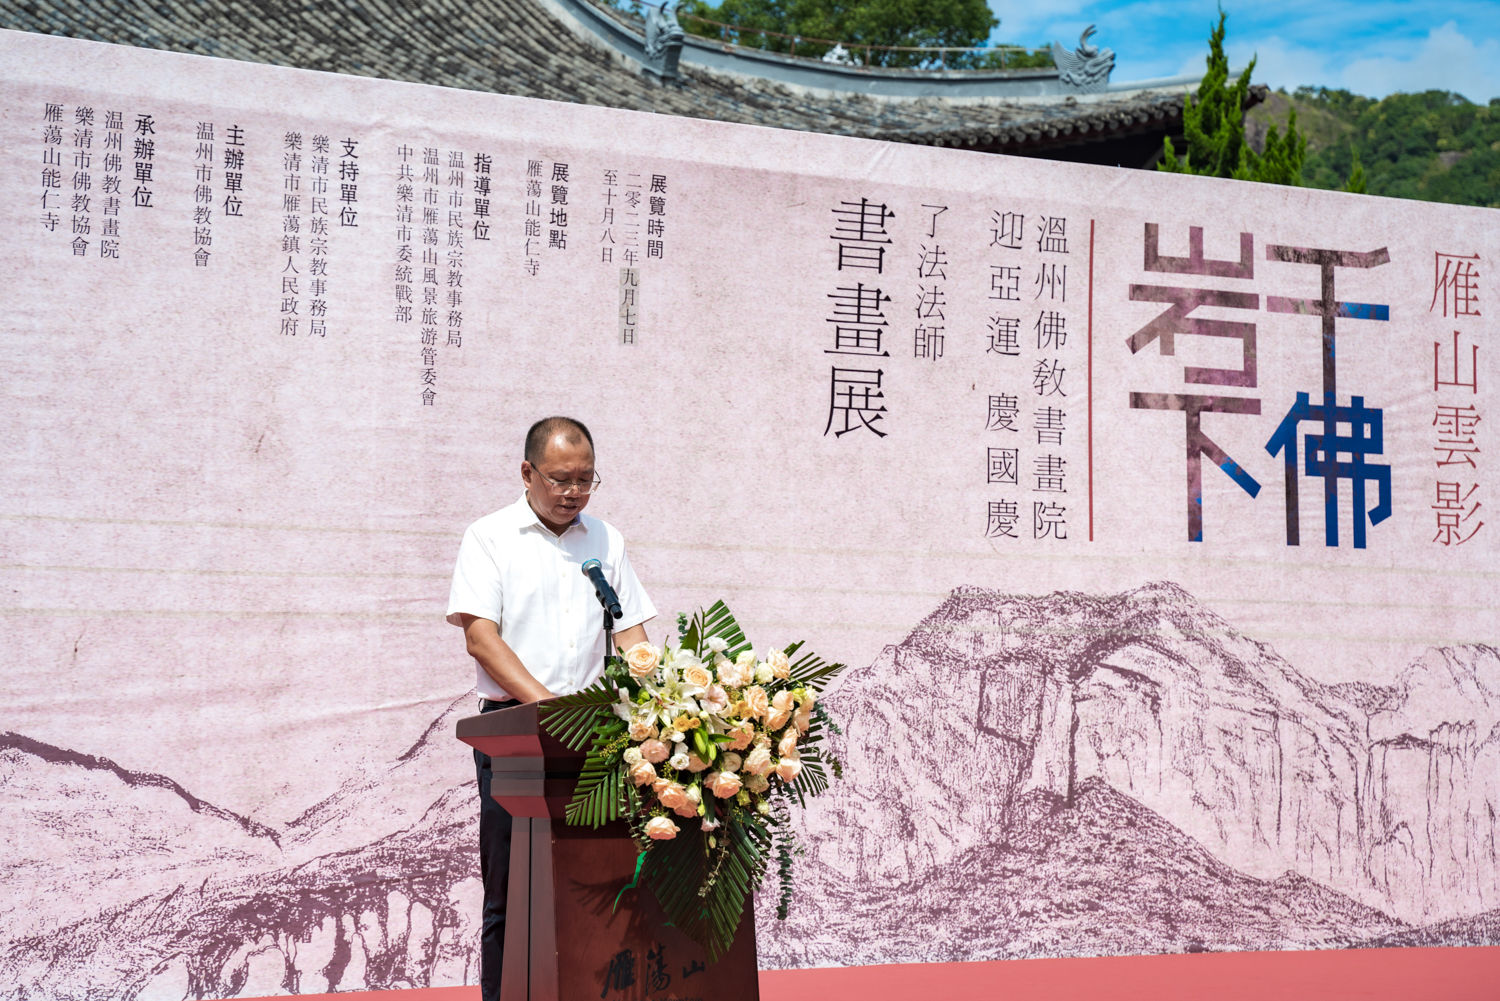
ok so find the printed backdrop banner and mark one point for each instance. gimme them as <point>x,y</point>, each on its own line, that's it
<point>1152,514</point>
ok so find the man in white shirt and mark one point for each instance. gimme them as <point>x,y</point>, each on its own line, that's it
<point>532,622</point>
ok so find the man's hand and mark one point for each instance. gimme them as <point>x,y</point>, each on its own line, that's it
<point>500,661</point>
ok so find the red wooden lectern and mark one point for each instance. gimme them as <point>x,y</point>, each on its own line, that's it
<point>565,940</point>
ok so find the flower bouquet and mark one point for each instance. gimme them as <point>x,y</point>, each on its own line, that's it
<point>700,748</point>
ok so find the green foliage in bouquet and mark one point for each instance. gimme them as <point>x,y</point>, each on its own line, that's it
<point>706,733</point>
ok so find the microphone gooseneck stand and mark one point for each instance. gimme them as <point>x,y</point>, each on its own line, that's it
<point>609,601</point>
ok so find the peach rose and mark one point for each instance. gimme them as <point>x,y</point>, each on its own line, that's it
<point>780,666</point>
<point>722,784</point>
<point>698,676</point>
<point>788,768</point>
<point>686,810</point>
<point>640,729</point>
<point>642,773</point>
<point>642,659</point>
<point>802,718</point>
<point>759,761</point>
<point>655,751</point>
<point>788,745</point>
<point>742,735</point>
<point>756,697</point>
<point>673,797</point>
<point>695,763</point>
<point>661,828</point>
<point>781,710</point>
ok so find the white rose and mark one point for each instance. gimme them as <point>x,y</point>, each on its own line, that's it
<point>763,674</point>
<point>732,762</point>
<point>632,755</point>
<point>679,760</point>
<point>717,644</point>
<point>695,794</point>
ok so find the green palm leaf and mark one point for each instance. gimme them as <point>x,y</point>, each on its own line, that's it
<point>811,670</point>
<point>599,796</point>
<point>717,621</point>
<point>572,718</point>
<point>676,870</point>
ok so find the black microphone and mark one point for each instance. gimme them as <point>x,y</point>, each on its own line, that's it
<point>602,590</point>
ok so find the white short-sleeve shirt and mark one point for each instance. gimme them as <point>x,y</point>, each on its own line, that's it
<point>513,571</point>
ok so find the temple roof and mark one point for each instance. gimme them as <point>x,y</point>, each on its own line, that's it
<point>536,48</point>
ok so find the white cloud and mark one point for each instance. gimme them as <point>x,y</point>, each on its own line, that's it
<point>1278,62</point>
<point>1446,60</point>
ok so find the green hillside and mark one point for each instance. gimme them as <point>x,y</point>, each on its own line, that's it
<point>1435,146</point>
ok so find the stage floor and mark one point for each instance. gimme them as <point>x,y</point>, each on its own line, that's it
<point>1333,975</point>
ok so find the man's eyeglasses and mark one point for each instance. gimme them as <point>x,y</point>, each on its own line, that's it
<point>566,487</point>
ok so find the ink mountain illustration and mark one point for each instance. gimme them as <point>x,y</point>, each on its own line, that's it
<point>1067,775</point>
<point>164,896</point>
<point>1078,775</point>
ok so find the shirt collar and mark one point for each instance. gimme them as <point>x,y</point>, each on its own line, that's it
<point>528,518</point>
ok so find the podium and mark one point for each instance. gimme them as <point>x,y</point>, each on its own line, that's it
<point>565,939</point>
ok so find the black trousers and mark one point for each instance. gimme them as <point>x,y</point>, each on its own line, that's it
<point>494,871</point>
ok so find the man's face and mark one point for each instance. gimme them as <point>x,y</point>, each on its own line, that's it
<point>562,462</point>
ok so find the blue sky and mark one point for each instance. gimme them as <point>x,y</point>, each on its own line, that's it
<point>1372,47</point>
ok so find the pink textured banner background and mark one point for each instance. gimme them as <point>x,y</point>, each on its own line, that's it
<point>229,690</point>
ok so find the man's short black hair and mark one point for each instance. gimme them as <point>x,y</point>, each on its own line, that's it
<point>542,431</point>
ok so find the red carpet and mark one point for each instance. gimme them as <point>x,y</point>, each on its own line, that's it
<point>1343,975</point>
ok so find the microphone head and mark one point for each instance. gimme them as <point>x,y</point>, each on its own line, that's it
<point>589,565</point>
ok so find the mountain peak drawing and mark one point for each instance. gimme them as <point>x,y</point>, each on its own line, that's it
<point>1025,776</point>
<point>128,885</point>
<point>1298,815</point>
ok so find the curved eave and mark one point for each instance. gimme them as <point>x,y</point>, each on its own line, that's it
<point>1162,116</point>
<point>1026,138</point>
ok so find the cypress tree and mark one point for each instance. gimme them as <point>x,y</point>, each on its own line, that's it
<point>1213,126</point>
